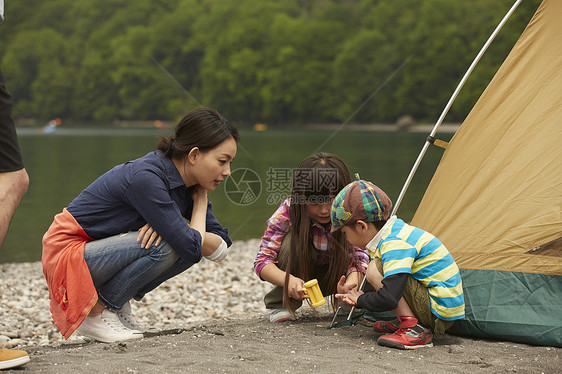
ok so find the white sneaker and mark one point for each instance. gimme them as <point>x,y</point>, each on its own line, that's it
<point>127,319</point>
<point>106,328</point>
<point>281,315</point>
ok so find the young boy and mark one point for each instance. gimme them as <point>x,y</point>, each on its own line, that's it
<point>414,275</point>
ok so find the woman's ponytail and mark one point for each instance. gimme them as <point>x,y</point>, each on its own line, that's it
<point>203,128</point>
<point>166,145</point>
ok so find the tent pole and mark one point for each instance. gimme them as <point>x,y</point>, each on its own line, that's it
<point>451,100</point>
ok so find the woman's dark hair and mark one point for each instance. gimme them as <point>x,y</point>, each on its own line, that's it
<point>318,179</point>
<point>203,128</point>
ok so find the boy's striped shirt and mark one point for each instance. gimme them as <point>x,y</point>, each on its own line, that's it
<point>408,249</point>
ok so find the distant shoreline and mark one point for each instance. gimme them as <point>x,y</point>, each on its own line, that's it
<point>444,128</point>
<point>142,129</point>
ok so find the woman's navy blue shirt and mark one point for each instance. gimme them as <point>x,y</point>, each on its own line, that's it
<point>148,189</point>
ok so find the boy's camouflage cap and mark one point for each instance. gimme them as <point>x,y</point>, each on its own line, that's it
<point>359,200</point>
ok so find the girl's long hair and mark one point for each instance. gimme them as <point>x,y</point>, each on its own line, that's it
<point>318,179</point>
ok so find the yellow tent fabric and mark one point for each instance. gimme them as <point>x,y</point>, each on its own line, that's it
<point>497,192</point>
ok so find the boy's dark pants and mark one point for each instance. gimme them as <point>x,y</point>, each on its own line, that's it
<point>274,298</point>
<point>417,297</point>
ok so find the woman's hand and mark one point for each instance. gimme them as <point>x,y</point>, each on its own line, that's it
<point>199,197</point>
<point>349,298</point>
<point>148,236</point>
<point>295,288</point>
<point>199,212</point>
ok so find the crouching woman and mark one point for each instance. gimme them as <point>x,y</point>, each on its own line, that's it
<point>128,231</point>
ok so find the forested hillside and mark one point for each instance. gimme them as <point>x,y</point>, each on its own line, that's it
<point>290,61</point>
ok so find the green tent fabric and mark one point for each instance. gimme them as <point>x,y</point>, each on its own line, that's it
<point>520,307</point>
<point>495,199</point>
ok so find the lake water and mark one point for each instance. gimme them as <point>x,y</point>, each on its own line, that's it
<point>60,165</point>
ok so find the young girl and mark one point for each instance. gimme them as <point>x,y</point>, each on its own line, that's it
<point>93,259</point>
<point>297,245</point>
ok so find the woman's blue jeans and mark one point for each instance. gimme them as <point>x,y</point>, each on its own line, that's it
<point>122,270</point>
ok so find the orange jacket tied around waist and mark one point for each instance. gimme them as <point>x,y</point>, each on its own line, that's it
<point>71,289</point>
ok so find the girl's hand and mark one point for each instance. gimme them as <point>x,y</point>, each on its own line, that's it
<point>148,236</point>
<point>295,288</point>
<point>345,285</point>
<point>349,298</point>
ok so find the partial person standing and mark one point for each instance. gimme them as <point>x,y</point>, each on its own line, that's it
<point>13,185</point>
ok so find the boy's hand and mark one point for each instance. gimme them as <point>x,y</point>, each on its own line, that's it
<point>349,298</point>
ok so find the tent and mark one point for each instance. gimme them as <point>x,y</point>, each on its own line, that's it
<point>495,199</point>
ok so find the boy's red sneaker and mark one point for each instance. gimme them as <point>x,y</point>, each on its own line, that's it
<point>386,326</point>
<point>410,335</point>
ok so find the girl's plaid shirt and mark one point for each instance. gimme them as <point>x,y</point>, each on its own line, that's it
<point>278,226</point>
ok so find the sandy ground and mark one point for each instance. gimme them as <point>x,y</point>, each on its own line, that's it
<point>306,346</point>
<point>196,336</point>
